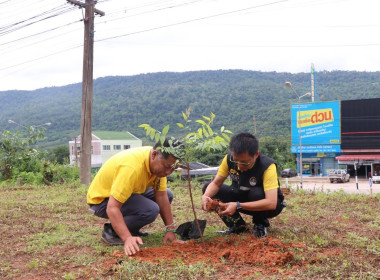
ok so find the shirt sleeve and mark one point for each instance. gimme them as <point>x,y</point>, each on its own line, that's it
<point>270,178</point>
<point>223,168</point>
<point>163,184</point>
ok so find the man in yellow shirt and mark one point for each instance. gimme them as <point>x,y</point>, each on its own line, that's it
<point>254,190</point>
<point>130,190</point>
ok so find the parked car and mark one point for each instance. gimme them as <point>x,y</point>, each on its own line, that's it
<point>288,172</point>
<point>339,175</point>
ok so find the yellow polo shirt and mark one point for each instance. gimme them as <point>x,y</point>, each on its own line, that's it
<point>122,175</point>
<point>269,178</point>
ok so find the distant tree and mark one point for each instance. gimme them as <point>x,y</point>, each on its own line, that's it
<point>17,151</point>
<point>59,154</point>
<point>279,150</point>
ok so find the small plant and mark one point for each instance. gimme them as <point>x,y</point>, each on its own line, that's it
<point>200,138</point>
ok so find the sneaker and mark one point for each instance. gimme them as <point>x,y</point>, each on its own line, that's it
<point>110,236</point>
<point>234,230</point>
<point>259,230</point>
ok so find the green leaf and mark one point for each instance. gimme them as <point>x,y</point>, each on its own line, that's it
<point>165,130</point>
<point>222,129</point>
<point>188,136</point>
<point>148,130</point>
<point>226,136</point>
<point>218,147</point>
<point>210,130</point>
<point>157,137</point>
<point>200,132</point>
<point>205,131</point>
<point>228,131</point>
<point>152,134</point>
<point>219,139</point>
<point>201,122</point>
<point>206,118</point>
<point>180,125</point>
<point>184,116</point>
<point>143,125</point>
<point>162,139</point>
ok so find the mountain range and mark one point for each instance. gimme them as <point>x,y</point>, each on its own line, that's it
<point>242,100</point>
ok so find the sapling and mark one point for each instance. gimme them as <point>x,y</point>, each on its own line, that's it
<point>198,136</point>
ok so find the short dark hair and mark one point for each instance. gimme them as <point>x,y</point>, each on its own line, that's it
<point>170,147</point>
<point>244,142</point>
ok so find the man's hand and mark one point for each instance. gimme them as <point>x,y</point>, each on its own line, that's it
<point>228,208</point>
<point>131,245</point>
<point>170,237</point>
<point>205,199</point>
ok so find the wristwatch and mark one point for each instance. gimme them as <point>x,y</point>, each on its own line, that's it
<point>238,206</point>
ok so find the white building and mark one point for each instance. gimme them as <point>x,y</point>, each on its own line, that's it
<point>104,145</point>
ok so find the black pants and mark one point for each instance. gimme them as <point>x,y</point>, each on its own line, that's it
<point>230,194</point>
<point>139,209</point>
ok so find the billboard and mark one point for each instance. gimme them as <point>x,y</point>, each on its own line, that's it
<point>360,124</point>
<point>319,124</point>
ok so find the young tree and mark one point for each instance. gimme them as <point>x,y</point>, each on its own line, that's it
<point>199,136</point>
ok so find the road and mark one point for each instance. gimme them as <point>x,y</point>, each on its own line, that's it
<point>322,183</point>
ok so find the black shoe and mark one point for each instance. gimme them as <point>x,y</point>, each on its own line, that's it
<point>259,230</point>
<point>110,236</point>
<point>140,233</point>
<point>234,230</point>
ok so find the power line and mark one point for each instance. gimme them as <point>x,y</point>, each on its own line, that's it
<point>191,20</point>
<point>32,20</point>
<point>39,58</point>
<point>39,33</point>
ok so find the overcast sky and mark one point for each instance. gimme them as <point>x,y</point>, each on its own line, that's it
<point>41,41</point>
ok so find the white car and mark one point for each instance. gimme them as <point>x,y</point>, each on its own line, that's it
<point>376,177</point>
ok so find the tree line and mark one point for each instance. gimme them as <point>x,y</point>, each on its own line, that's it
<point>253,101</point>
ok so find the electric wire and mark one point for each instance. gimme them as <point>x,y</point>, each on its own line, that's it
<point>191,20</point>
<point>184,22</point>
<point>33,20</point>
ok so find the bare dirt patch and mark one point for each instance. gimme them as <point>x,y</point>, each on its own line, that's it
<point>244,254</point>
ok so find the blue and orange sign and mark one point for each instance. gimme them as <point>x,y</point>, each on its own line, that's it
<point>319,123</point>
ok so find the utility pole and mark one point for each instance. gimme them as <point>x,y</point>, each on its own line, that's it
<point>312,83</point>
<point>87,86</point>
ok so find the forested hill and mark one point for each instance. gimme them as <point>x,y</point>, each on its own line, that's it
<point>236,97</point>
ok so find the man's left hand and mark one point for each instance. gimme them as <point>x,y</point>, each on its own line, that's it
<point>227,208</point>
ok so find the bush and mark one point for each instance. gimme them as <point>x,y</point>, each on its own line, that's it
<point>58,174</point>
<point>29,178</point>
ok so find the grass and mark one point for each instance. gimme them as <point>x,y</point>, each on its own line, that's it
<point>48,233</point>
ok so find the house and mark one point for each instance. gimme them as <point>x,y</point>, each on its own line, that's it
<point>105,144</point>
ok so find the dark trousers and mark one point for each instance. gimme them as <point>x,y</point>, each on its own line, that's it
<point>229,194</point>
<point>139,209</point>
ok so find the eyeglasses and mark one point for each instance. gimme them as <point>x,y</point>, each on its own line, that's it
<point>242,163</point>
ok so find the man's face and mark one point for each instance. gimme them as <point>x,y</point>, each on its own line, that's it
<point>244,161</point>
<point>162,167</point>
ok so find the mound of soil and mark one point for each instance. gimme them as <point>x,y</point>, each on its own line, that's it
<point>249,254</point>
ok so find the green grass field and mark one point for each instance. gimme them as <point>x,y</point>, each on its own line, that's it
<point>48,233</point>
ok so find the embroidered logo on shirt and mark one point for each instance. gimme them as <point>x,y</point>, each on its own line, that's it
<point>252,181</point>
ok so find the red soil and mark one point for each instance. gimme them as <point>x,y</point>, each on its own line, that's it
<point>244,253</point>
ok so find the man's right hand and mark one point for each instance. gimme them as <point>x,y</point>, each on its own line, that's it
<point>205,199</point>
<point>131,245</point>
